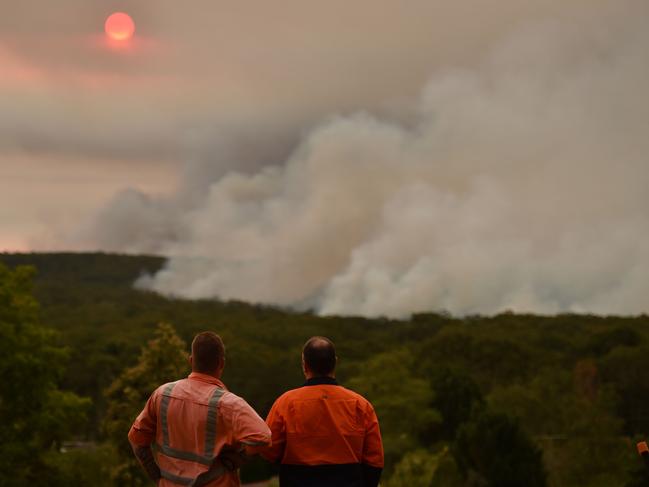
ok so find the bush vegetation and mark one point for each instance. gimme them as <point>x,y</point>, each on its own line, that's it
<point>501,400</point>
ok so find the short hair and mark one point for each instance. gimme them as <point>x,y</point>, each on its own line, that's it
<point>208,352</point>
<point>319,355</point>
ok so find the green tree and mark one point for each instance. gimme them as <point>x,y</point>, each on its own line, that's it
<point>572,417</point>
<point>417,467</point>
<point>163,359</point>
<point>492,359</point>
<point>35,415</point>
<point>495,448</point>
<point>625,368</point>
<point>401,400</point>
<point>603,342</point>
<point>457,396</point>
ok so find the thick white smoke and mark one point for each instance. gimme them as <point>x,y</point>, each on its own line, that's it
<point>521,184</point>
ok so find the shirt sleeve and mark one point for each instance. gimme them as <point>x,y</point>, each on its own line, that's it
<point>143,431</point>
<point>372,446</point>
<point>249,429</point>
<point>275,422</point>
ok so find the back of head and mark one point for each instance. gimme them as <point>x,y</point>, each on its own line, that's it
<point>208,352</point>
<point>319,356</point>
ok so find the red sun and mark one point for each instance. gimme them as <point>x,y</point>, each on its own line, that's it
<point>119,26</point>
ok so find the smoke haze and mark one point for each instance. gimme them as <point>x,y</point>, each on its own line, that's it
<point>427,158</point>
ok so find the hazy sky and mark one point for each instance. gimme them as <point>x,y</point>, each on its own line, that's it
<point>80,120</point>
<point>374,157</point>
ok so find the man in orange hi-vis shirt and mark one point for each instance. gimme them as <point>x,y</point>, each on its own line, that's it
<point>198,429</point>
<point>323,434</point>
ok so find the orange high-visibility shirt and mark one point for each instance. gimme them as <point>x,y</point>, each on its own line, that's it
<point>188,423</point>
<point>323,430</point>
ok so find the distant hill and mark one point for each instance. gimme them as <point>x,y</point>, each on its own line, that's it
<point>94,269</point>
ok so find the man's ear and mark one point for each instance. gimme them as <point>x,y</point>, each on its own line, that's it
<point>219,369</point>
<point>304,367</point>
<point>190,359</point>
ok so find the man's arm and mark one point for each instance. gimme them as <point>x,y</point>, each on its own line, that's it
<point>142,434</point>
<point>249,429</point>
<point>275,422</point>
<point>372,450</point>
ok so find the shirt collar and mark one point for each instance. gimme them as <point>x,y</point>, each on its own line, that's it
<point>206,378</point>
<point>318,381</point>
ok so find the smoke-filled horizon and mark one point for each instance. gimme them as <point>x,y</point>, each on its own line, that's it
<point>516,180</point>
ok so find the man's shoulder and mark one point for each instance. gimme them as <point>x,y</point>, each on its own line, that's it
<point>230,402</point>
<point>230,398</point>
<point>185,389</point>
<point>166,388</point>
<point>355,395</point>
<point>290,395</point>
<point>299,393</point>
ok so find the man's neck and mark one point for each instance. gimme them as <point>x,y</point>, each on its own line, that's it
<point>311,375</point>
<point>216,375</point>
<point>321,380</point>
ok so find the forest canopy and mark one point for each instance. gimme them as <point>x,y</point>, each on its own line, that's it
<point>511,399</point>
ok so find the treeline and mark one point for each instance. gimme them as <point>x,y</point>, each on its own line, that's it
<point>507,400</point>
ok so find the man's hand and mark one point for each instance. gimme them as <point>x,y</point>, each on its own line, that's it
<point>232,458</point>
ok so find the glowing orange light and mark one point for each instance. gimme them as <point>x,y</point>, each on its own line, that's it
<point>119,26</point>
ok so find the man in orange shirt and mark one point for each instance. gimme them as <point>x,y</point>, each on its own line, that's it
<point>196,425</point>
<point>324,435</point>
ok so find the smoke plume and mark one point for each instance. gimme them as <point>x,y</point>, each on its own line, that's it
<point>517,183</point>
